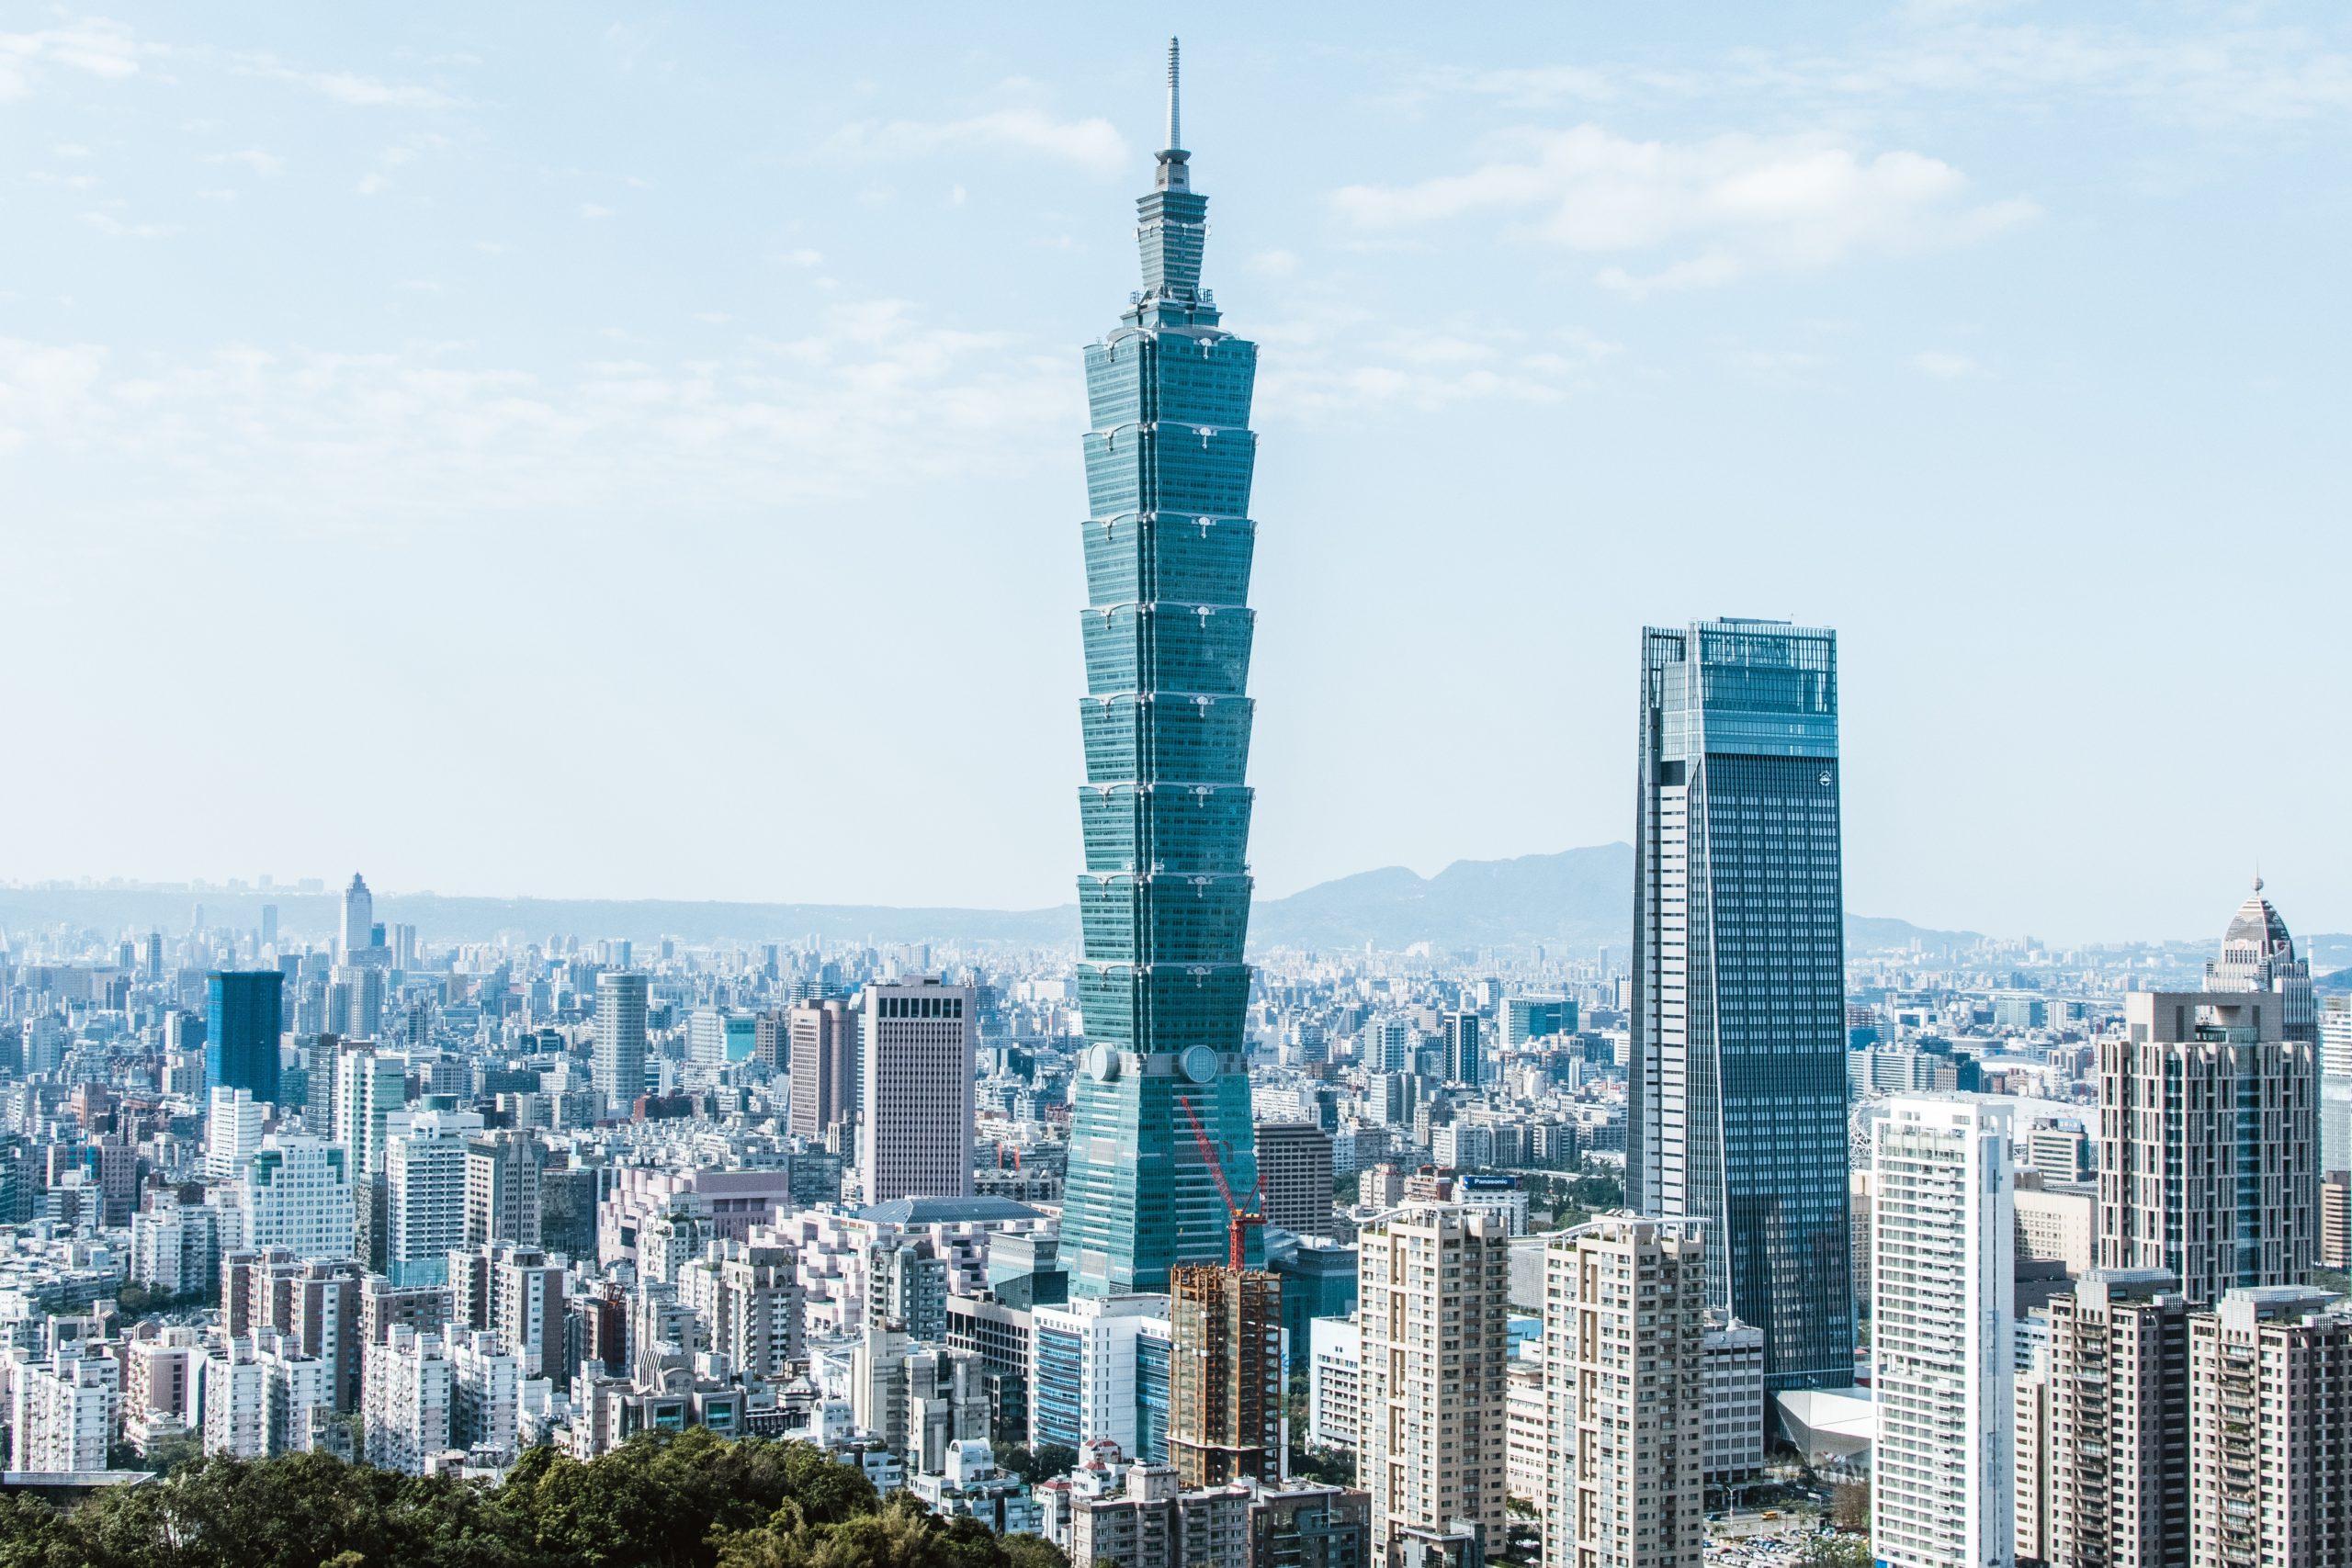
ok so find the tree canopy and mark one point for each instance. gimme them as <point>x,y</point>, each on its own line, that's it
<point>682,1500</point>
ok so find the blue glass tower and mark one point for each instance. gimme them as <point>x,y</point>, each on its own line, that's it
<point>1164,902</point>
<point>1736,1113</point>
<point>242,1022</point>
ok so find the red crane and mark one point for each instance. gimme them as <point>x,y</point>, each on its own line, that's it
<point>1237,1219</point>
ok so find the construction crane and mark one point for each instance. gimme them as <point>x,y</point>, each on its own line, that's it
<point>1238,1220</point>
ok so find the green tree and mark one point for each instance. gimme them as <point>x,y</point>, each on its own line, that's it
<point>1032,1551</point>
<point>1837,1550</point>
<point>34,1535</point>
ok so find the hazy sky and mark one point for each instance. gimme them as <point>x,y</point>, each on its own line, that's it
<point>583,449</point>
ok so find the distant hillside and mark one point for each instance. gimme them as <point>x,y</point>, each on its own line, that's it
<point>315,916</point>
<point>1577,899</point>
<point>1875,933</point>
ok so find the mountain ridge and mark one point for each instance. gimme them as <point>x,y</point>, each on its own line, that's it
<point>1577,898</point>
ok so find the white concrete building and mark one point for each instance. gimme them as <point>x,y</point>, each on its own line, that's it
<point>62,1411</point>
<point>370,1088</point>
<point>231,1400</point>
<point>296,1193</point>
<point>1735,1425</point>
<point>232,1132</point>
<point>405,1404</point>
<point>424,1195</point>
<point>2058,1227</point>
<point>915,1083</point>
<point>616,1064</point>
<point>1082,1367</point>
<point>483,1377</point>
<point>1433,1292</point>
<point>1334,1384</point>
<point>174,1246</point>
<point>1624,1357</point>
<point>1527,1465</point>
<point>296,1393</point>
<point>1943,1341</point>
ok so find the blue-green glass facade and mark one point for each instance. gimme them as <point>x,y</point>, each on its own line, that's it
<point>1164,901</point>
<point>243,1018</point>
<point>1736,1113</point>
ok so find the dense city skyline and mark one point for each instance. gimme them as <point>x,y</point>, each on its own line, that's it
<point>349,334</point>
<point>1636,1206</point>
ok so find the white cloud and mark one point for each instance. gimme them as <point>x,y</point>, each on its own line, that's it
<point>107,223</point>
<point>1273,264</point>
<point>1944,366</point>
<point>348,87</point>
<point>254,158</point>
<point>871,396</point>
<point>370,185</point>
<point>104,48</point>
<point>591,210</point>
<point>2228,73</point>
<point>1093,144</point>
<point>70,150</point>
<point>1340,360</point>
<point>1736,203</point>
<point>802,257</point>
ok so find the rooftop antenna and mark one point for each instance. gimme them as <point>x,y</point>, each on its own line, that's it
<point>1175,124</point>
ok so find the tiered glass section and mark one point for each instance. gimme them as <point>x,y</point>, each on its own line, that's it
<point>1164,902</point>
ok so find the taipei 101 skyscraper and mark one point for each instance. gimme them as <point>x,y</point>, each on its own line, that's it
<point>1164,902</point>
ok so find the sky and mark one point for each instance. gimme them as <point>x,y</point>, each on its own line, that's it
<point>591,450</point>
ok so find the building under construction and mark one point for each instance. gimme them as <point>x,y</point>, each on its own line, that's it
<point>1225,1404</point>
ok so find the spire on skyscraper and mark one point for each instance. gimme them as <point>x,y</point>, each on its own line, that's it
<point>1175,141</point>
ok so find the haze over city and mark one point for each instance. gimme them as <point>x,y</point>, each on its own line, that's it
<point>611,454</point>
<point>842,791</point>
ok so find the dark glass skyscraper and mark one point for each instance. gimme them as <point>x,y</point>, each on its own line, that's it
<point>1164,902</point>
<point>242,1022</point>
<point>1738,1109</point>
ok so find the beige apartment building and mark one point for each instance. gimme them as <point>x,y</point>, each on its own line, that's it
<point>1625,1377</point>
<point>1432,1307</point>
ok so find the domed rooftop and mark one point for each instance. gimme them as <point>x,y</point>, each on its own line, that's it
<point>2257,924</point>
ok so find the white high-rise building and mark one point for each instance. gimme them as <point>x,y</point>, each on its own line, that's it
<point>1433,1291</point>
<point>173,1246</point>
<point>356,1002</point>
<point>916,1080</point>
<point>1087,1350</point>
<point>370,1087</point>
<point>424,1195</point>
<point>2335,1084</point>
<point>1942,1283</point>
<point>61,1411</point>
<point>232,1132</point>
<point>406,1404</point>
<point>1626,1383</point>
<point>482,1376</point>
<point>1735,1401</point>
<point>296,1393</point>
<point>359,920</point>
<point>296,1193</point>
<point>1335,1383</point>
<point>231,1400</point>
<point>618,1065</point>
